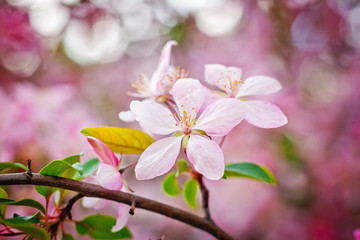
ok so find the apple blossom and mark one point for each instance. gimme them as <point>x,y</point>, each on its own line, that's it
<point>189,127</point>
<point>162,80</point>
<point>259,113</point>
<point>108,176</point>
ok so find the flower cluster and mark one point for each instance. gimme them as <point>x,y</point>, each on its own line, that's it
<point>190,114</point>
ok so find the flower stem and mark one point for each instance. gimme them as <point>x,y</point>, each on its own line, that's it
<point>205,197</point>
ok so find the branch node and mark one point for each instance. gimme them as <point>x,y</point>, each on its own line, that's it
<point>132,209</point>
<point>29,172</point>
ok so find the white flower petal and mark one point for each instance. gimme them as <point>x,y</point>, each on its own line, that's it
<point>264,114</point>
<point>221,116</point>
<point>212,74</point>
<point>164,64</point>
<point>95,203</point>
<point>109,177</point>
<point>122,217</point>
<point>206,156</point>
<point>223,77</point>
<point>158,158</point>
<point>189,95</point>
<point>258,85</point>
<point>127,116</point>
<point>154,117</point>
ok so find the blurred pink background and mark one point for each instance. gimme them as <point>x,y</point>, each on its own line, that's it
<point>68,64</point>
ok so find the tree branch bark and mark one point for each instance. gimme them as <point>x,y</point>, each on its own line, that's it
<point>92,190</point>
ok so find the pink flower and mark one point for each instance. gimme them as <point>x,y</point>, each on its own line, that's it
<point>162,79</point>
<point>356,234</point>
<point>108,176</point>
<point>259,113</point>
<point>191,130</point>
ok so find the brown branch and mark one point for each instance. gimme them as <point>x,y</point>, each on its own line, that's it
<point>92,190</point>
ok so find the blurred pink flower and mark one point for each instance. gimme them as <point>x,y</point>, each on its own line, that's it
<point>357,234</point>
<point>27,122</point>
<point>108,176</point>
<point>204,154</point>
<point>259,113</point>
<point>20,47</point>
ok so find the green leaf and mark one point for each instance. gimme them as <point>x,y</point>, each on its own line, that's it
<point>67,236</point>
<point>179,32</point>
<point>58,168</point>
<point>89,168</point>
<point>26,227</point>
<point>3,194</point>
<point>170,185</point>
<point>290,152</point>
<point>190,192</point>
<point>121,140</point>
<point>249,170</point>
<point>25,202</point>
<point>99,227</point>
<point>75,162</point>
<point>182,167</point>
<point>31,219</point>
<point>78,167</point>
<point>72,159</point>
<point>6,165</point>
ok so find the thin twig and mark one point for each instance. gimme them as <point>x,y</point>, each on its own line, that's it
<point>65,212</point>
<point>133,205</point>
<point>29,173</point>
<point>92,190</point>
<point>205,198</point>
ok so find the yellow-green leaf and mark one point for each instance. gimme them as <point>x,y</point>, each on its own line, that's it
<point>59,168</point>
<point>190,192</point>
<point>170,185</point>
<point>3,194</point>
<point>182,167</point>
<point>121,140</point>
